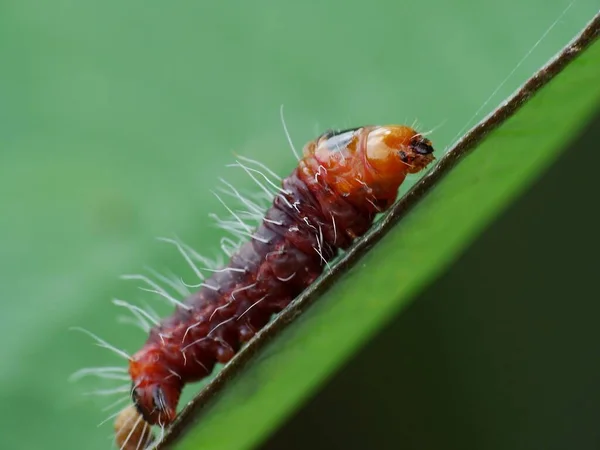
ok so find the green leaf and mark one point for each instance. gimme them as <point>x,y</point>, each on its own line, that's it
<point>513,146</point>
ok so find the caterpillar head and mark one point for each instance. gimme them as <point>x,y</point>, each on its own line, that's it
<point>397,149</point>
<point>366,165</point>
<point>155,392</point>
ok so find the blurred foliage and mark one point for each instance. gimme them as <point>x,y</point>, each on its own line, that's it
<point>117,118</point>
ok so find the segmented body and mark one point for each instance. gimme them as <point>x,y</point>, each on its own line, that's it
<point>332,197</point>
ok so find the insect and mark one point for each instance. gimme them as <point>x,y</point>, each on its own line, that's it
<point>343,180</point>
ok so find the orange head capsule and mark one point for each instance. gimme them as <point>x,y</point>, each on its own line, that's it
<point>395,149</point>
<point>367,162</point>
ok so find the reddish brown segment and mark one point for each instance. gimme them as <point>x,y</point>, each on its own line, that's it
<point>341,183</point>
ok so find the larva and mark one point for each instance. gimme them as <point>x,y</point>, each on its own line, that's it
<point>342,182</point>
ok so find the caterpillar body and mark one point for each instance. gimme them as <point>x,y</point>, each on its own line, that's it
<point>342,181</point>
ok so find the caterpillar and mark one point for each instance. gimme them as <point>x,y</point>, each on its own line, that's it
<point>331,198</point>
<point>342,181</point>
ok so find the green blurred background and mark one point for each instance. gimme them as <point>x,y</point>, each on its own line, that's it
<point>117,118</point>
